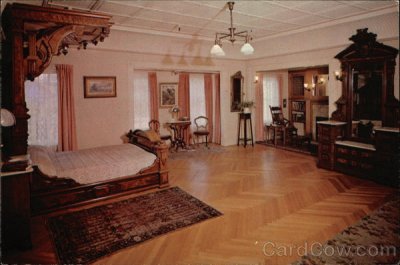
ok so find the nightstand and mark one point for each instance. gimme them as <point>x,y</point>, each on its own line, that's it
<point>15,209</point>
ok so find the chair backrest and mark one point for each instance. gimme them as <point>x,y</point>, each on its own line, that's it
<point>277,116</point>
<point>201,123</point>
<point>154,125</point>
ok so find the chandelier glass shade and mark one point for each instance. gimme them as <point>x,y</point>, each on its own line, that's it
<point>246,49</point>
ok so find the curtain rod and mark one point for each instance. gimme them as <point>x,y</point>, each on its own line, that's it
<point>176,71</point>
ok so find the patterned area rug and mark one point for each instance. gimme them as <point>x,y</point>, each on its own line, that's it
<point>84,236</point>
<point>373,240</point>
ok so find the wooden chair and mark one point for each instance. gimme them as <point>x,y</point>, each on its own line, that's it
<point>286,130</point>
<point>155,126</point>
<point>202,129</point>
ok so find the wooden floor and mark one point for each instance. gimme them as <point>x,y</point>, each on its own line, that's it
<point>275,203</point>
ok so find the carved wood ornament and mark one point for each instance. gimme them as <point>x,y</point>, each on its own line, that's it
<point>366,51</point>
<point>33,35</point>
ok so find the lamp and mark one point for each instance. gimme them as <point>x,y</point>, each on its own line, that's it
<point>246,49</point>
<point>175,112</point>
<point>338,76</point>
<point>7,118</point>
<point>256,79</point>
<point>309,87</point>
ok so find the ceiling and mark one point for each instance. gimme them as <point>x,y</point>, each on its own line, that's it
<point>202,19</point>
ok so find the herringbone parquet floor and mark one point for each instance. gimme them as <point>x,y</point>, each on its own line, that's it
<point>276,205</point>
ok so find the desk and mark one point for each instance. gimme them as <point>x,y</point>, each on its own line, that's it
<point>179,128</point>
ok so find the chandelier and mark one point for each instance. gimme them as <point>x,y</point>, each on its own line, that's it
<point>231,36</point>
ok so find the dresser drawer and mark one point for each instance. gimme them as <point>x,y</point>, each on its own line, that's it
<point>325,148</point>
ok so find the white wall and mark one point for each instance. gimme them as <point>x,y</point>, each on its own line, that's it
<point>104,121</point>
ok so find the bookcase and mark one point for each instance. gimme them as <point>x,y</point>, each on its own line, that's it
<point>298,111</point>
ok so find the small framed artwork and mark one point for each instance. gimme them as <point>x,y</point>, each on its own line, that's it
<point>168,95</point>
<point>100,86</point>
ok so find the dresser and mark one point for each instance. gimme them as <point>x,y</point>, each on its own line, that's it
<point>328,133</point>
<point>355,158</point>
<point>377,161</point>
<point>387,159</point>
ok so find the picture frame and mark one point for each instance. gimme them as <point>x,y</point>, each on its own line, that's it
<point>168,95</point>
<point>100,86</point>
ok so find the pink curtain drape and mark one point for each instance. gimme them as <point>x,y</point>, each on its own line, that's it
<point>208,91</point>
<point>259,109</point>
<point>184,100</point>
<point>153,95</point>
<point>217,122</point>
<point>66,111</point>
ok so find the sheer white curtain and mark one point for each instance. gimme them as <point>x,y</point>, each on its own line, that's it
<point>271,90</point>
<point>141,100</point>
<point>41,97</point>
<point>197,97</point>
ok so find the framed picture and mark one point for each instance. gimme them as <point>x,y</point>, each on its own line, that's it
<point>168,95</point>
<point>100,86</point>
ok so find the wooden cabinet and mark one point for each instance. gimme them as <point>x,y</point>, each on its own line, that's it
<point>355,158</point>
<point>328,133</point>
<point>378,162</point>
<point>15,210</point>
<point>387,149</point>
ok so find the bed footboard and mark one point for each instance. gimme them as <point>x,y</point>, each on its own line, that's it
<point>47,200</point>
<point>160,149</point>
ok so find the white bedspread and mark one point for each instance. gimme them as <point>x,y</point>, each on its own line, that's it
<point>93,165</point>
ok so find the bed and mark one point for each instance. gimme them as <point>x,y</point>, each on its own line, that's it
<point>66,179</point>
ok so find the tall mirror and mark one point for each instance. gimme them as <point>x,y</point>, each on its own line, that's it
<point>367,91</point>
<point>236,91</point>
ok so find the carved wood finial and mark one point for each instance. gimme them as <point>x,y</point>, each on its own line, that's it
<point>363,37</point>
<point>35,34</point>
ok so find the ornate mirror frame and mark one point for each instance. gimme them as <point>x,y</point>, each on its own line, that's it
<point>237,81</point>
<point>366,51</point>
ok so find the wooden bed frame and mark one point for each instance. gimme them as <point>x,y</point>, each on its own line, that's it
<point>34,35</point>
<point>51,193</point>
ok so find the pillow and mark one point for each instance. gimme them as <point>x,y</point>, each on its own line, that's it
<point>151,135</point>
<point>41,158</point>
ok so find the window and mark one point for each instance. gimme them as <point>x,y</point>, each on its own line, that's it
<point>41,97</point>
<point>197,97</point>
<point>141,100</point>
<point>271,91</point>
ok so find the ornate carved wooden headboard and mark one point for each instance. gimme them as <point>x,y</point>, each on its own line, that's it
<point>33,35</point>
